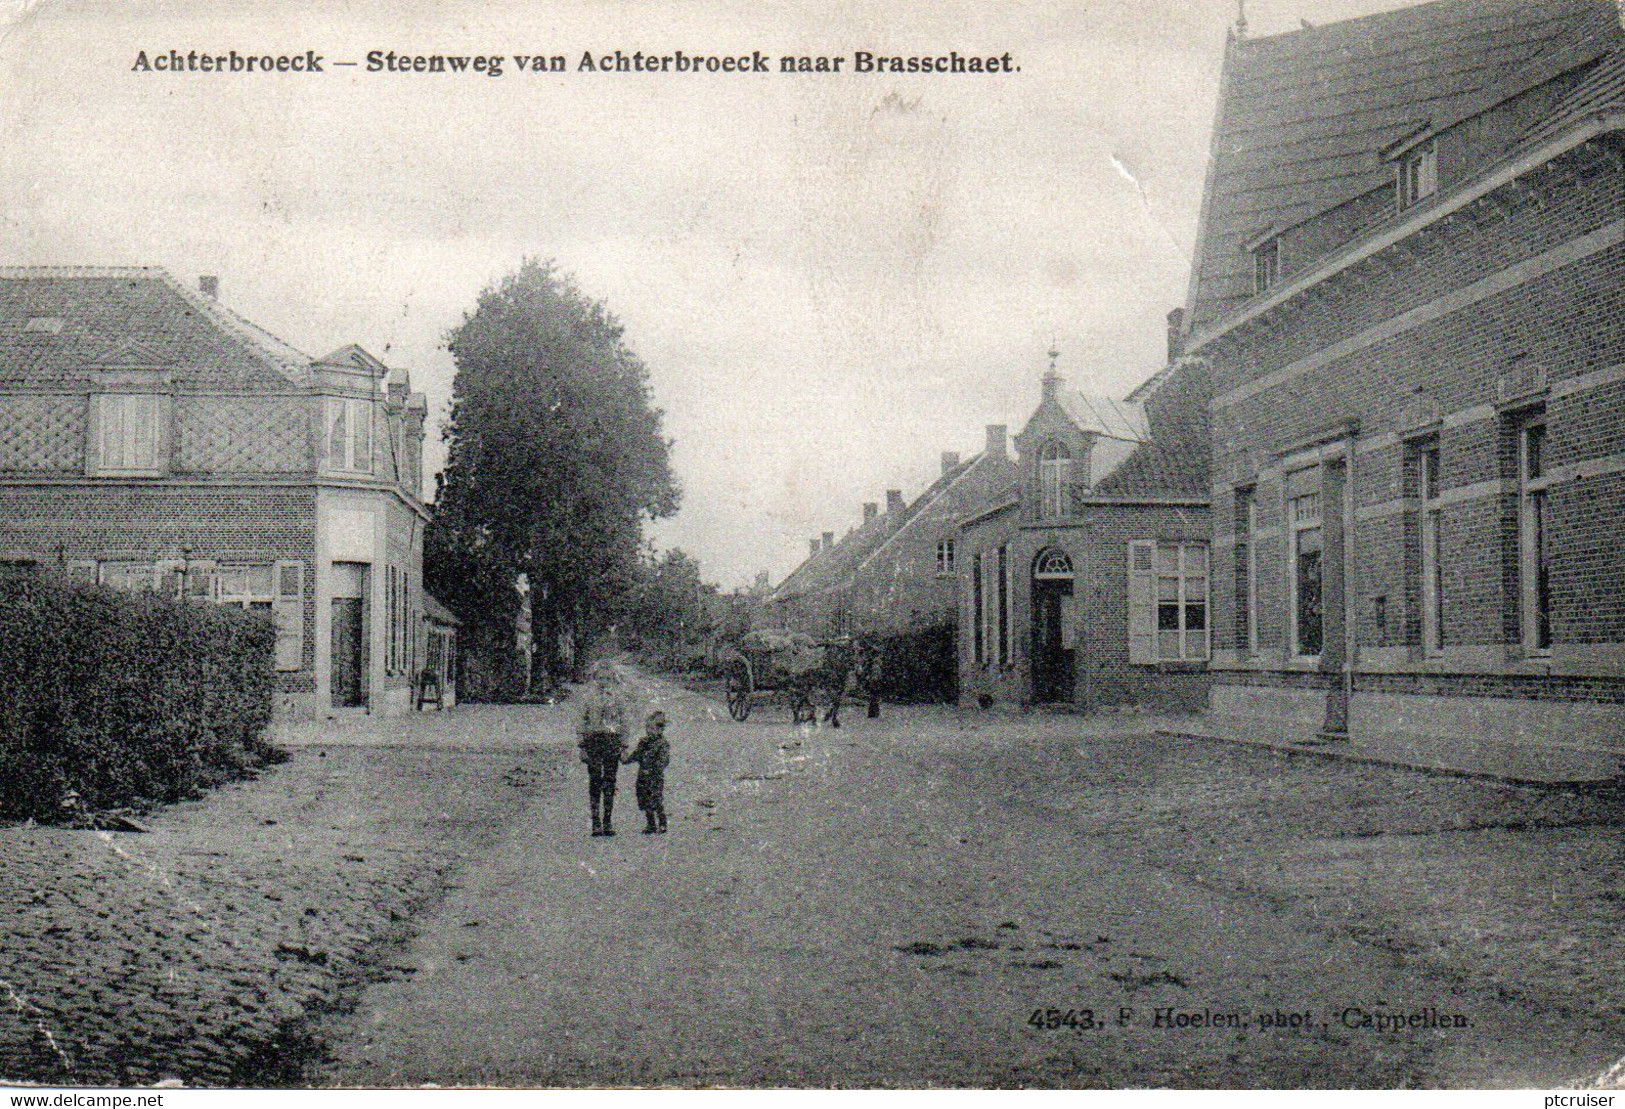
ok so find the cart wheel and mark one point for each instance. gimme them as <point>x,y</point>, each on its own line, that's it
<point>739,690</point>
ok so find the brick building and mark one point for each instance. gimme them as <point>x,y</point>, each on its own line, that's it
<point>897,571</point>
<point>1410,288</point>
<point>1086,581</point>
<point>151,439</point>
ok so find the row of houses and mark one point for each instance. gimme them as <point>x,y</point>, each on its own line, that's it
<point>1377,491</point>
<point>155,441</point>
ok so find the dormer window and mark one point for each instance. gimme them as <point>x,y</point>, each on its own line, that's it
<point>1266,264</point>
<point>349,435</point>
<point>1419,174</point>
<point>1054,480</point>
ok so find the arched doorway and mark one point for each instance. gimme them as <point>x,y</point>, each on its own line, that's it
<point>1052,652</point>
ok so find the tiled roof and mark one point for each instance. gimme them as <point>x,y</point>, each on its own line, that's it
<point>113,317</point>
<point>1172,461</point>
<point>1303,117</point>
<point>833,568</point>
<point>1601,89</point>
<point>1178,468</point>
<point>1119,419</point>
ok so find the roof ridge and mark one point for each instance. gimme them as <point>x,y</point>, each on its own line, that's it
<point>283,356</point>
<point>918,506</point>
<point>80,271</point>
<point>1418,13</point>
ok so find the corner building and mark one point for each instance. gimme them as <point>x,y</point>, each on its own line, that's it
<point>1410,289</point>
<point>153,440</point>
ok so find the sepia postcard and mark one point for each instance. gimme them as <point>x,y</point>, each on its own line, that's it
<point>984,544</point>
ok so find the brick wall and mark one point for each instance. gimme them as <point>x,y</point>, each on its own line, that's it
<point>898,588</point>
<point>1560,325</point>
<point>1097,543</point>
<point>146,522</point>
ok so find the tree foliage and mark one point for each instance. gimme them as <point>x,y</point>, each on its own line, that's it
<point>669,605</point>
<point>555,460</point>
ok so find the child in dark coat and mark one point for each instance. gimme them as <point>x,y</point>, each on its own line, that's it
<point>652,754</point>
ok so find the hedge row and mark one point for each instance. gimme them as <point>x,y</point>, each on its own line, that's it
<point>126,700</point>
<point>921,666</point>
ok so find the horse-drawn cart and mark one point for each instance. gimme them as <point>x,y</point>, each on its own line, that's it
<point>768,664</point>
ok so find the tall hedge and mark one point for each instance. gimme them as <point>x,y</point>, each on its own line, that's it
<point>125,699</point>
<point>921,666</point>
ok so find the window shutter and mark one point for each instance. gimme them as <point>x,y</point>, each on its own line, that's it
<point>1142,604</point>
<point>289,610</point>
<point>1004,606</point>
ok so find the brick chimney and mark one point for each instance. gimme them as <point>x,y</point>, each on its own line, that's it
<point>1176,334</point>
<point>997,435</point>
<point>950,459</point>
<point>894,500</point>
<point>829,540</point>
<point>870,511</point>
<point>812,548</point>
<point>209,286</point>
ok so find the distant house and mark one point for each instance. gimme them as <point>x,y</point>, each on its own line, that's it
<point>897,574</point>
<point>1085,582</point>
<point>1410,286</point>
<point>151,439</point>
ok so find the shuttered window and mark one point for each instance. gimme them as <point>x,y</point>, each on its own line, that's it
<point>978,612</point>
<point>289,611</point>
<point>1004,606</point>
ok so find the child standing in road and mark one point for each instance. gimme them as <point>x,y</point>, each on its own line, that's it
<point>652,754</point>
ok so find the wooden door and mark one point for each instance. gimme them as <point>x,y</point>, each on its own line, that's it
<point>1052,653</point>
<point>349,659</point>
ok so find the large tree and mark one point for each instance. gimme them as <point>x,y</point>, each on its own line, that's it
<point>670,604</point>
<point>555,461</point>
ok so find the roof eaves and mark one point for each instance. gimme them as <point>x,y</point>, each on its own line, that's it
<point>1493,177</point>
<point>286,359</point>
<point>933,493</point>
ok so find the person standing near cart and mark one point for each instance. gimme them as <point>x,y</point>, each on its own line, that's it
<point>603,742</point>
<point>869,675</point>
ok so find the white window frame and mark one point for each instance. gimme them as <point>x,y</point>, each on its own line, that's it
<point>1296,526</point>
<point>1192,562</point>
<point>1428,466</point>
<point>1054,480</point>
<point>123,448</point>
<point>1253,607</point>
<point>1267,265</point>
<point>355,436</point>
<point>119,573</point>
<point>1532,524</point>
<point>945,558</point>
<point>245,597</point>
<point>1418,174</point>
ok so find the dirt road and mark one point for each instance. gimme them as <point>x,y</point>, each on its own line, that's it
<point>895,904</point>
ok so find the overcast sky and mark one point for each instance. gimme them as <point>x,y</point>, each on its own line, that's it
<point>832,279</point>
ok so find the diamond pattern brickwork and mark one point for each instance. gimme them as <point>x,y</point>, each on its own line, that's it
<point>42,433</point>
<point>242,435</point>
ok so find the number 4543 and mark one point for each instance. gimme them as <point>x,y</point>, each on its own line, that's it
<point>1082,1020</point>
